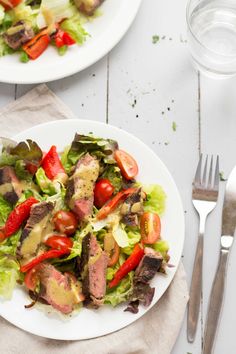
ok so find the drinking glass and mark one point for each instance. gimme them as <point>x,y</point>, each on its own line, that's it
<point>212,35</point>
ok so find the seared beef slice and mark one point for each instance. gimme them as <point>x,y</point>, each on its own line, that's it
<point>62,291</point>
<point>10,187</point>
<point>35,229</point>
<point>79,195</point>
<point>146,270</point>
<point>94,265</point>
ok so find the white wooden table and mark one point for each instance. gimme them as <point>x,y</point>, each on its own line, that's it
<point>143,88</point>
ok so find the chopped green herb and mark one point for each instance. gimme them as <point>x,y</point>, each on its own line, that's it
<point>155,39</point>
<point>174,126</point>
<point>24,57</point>
<point>62,50</point>
<point>166,143</point>
<point>221,174</point>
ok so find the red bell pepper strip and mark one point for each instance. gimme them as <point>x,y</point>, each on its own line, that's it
<point>42,257</point>
<point>131,263</point>
<point>112,204</point>
<point>63,38</point>
<point>52,164</point>
<point>18,216</point>
<point>37,45</point>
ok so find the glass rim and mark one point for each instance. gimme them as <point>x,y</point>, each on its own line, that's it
<point>197,39</point>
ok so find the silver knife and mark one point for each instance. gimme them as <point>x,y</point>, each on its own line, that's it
<point>217,291</point>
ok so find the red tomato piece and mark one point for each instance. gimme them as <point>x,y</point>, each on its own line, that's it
<point>150,225</point>
<point>59,242</point>
<point>102,192</point>
<point>127,164</point>
<point>52,164</point>
<point>65,222</point>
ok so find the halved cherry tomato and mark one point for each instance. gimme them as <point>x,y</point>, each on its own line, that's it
<point>9,4</point>
<point>65,222</point>
<point>126,163</point>
<point>31,279</point>
<point>112,249</point>
<point>59,242</point>
<point>150,225</point>
<point>102,192</point>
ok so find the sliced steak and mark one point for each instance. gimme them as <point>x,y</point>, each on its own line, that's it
<point>146,270</point>
<point>131,208</point>
<point>10,187</point>
<point>62,291</point>
<point>36,228</point>
<point>88,6</point>
<point>94,264</point>
<point>18,34</point>
<point>79,195</point>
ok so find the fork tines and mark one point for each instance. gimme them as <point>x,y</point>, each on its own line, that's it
<point>207,180</point>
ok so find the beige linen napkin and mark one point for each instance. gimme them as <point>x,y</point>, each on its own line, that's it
<point>154,333</point>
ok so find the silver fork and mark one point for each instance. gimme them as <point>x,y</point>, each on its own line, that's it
<point>204,197</point>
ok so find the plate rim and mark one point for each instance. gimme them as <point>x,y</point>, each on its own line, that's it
<point>49,76</point>
<point>182,223</point>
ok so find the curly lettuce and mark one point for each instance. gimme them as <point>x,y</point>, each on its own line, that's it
<point>5,210</point>
<point>122,292</point>
<point>9,267</point>
<point>156,199</point>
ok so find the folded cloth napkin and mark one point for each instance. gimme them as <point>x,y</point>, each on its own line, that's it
<point>155,332</point>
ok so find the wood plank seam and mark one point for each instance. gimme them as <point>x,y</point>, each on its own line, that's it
<point>107,88</point>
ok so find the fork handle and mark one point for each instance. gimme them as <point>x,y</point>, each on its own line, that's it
<point>195,292</point>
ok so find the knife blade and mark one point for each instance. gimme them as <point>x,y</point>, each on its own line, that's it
<point>227,237</point>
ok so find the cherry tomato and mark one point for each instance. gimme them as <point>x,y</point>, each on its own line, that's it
<point>150,225</point>
<point>59,242</point>
<point>31,279</point>
<point>102,192</point>
<point>126,163</point>
<point>65,222</point>
<point>9,4</point>
<point>112,249</point>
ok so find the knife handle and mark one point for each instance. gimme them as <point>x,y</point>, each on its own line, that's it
<point>195,292</point>
<point>215,304</point>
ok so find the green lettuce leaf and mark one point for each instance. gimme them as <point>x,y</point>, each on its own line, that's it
<point>73,26</point>
<point>21,171</point>
<point>9,274</point>
<point>5,210</point>
<point>134,237</point>
<point>9,267</point>
<point>156,199</point>
<point>45,184</point>
<point>161,246</point>
<point>122,292</point>
<point>101,148</point>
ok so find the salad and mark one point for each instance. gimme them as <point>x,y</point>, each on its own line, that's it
<point>76,228</point>
<point>29,26</point>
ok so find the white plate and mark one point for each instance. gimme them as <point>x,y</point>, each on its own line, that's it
<point>105,31</point>
<point>94,323</point>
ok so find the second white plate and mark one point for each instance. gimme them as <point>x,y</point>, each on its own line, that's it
<point>105,31</point>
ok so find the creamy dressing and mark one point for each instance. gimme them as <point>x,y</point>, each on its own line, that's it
<point>37,235</point>
<point>85,177</point>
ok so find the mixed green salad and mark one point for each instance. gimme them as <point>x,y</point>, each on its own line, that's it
<point>30,26</point>
<point>76,228</point>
